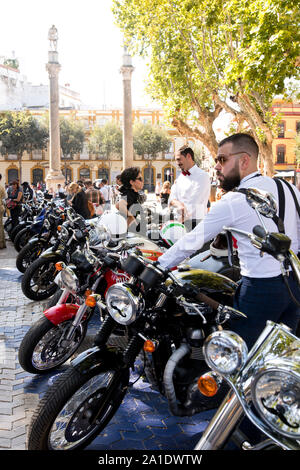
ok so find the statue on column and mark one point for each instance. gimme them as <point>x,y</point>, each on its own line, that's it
<point>53,37</point>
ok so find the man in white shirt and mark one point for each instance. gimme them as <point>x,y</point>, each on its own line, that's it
<point>191,190</point>
<point>262,294</point>
<point>106,193</point>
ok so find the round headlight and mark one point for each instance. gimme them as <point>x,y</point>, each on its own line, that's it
<point>225,352</point>
<point>123,305</point>
<point>276,397</point>
<point>69,279</point>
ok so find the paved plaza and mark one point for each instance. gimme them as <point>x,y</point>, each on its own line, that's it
<point>143,422</point>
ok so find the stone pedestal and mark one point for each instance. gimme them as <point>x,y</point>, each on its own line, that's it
<point>126,71</point>
<point>54,175</point>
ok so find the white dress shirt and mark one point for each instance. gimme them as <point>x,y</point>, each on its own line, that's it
<point>193,191</point>
<point>105,190</point>
<point>233,211</point>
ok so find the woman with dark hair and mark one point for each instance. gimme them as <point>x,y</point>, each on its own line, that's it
<point>130,200</point>
<point>79,200</point>
<point>14,201</point>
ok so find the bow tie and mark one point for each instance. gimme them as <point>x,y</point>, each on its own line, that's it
<point>186,173</point>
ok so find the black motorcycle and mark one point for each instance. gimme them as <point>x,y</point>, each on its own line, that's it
<point>265,381</point>
<point>38,280</point>
<point>168,316</point>
<point>46,236</point>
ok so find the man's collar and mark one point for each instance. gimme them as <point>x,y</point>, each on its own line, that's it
<point>249,176</point>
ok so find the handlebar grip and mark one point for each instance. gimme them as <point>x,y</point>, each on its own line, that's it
<point>259,231</point>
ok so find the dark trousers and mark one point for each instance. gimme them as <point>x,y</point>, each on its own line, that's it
<point>265,299</point>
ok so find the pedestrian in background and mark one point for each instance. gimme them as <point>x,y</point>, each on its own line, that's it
<point>94,196</point>
<point>106,193</point>
<point>79,200</point>
<point>2,209</point>
<point>165,193</point>
<point>14,201</point>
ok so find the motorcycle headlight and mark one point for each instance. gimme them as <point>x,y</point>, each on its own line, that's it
<point>123,305</point>
<point>69,279</point>
<point>276,397</point>
<point>225,352</point>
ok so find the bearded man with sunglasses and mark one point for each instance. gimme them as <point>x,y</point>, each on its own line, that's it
<point>262,294</point>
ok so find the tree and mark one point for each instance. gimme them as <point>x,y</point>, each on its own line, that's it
<point>150,140</point>
<point>106,141</point>
<point>20,132</point>
<point>72,137</point>
<point>208,56</point>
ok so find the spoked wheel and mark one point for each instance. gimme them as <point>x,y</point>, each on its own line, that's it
<point>44,348</point>
<point>76,408</point>
<point>28,254</point>
<point>38,280</point>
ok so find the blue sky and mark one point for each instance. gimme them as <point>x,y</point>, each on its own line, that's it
<point>89,47</point>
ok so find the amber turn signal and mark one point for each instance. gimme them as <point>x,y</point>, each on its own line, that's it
<point>59,266</point>
<point>90,301</point>
<point>59,228</point>
<point>208,385</point>
<point>149,346</point>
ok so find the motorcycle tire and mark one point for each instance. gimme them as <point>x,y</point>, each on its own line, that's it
<point>38,280</point>
<point>28,254</point>
<point>15,230</point>
<point>62,420</point>
<point>22,238</point>
<point>39,352</point>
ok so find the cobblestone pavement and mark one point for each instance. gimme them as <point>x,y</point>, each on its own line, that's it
<point>142,422</point>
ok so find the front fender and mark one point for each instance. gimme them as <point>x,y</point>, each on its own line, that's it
<point>101,358</point>
<point>61,312</point>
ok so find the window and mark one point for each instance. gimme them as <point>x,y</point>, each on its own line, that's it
<point>84,173</point>
<point>281,128</point>
<point>12,174</point>
<point>37,175</point>
<point>103,173</point>
<point>280,151</point>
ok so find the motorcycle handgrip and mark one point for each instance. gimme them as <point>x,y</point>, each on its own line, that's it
<point>259,231</point>
<point>193,292</point>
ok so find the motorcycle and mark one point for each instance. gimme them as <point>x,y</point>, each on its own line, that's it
<point>264,382</point>
<point>38,280</point>
<point>29,211</point>
<point>55,337</point>
<point>161,313</point>
<point>47,232</point>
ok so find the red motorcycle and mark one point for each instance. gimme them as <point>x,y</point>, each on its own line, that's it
<point>55,337</point>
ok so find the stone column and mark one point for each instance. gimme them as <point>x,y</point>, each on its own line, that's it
<point>53,67</point>
<point>126,71</point>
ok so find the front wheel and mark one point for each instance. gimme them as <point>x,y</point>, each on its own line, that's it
<point>76,408</point>
<point>21,239</point>
<point>38,280</point>
<point>28,254</point>
<point>44,348</point>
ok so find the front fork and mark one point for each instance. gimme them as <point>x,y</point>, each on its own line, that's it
<point>222,425</point>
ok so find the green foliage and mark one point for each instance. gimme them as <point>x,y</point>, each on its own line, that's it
<point>205,53</point>
<point>20,132</point>
<point>150,140</point>
<point>72,136</point>
<point>106,141</point>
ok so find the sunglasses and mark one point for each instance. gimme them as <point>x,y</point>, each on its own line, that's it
<point>224,158</point>
<point>139,178</point>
